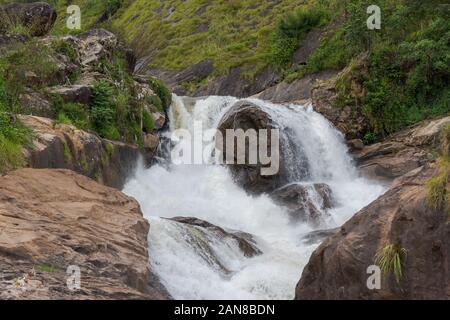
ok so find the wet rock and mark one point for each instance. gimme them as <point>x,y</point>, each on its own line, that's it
<point>66,147</point>
<point>246,116</point>
<point>53,219</point>
<point>37,17</point>
<point>318,235</point>
<point>305,202</point>
<point>402,218</point>
<point>402,152</point>
<point>245,241</point>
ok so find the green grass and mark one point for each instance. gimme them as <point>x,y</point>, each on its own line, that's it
<point>45,268</point>
<point>438,190</point>
<point>391,259</point>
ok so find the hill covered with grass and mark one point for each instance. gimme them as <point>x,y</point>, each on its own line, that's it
<point>401,71</point>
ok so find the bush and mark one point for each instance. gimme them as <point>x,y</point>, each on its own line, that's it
<point>148,122</point>
<point>102,109</point>
<point>290,30</point>
<point>162,92</point>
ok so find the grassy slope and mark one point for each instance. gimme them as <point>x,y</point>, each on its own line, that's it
<point>408,59</point>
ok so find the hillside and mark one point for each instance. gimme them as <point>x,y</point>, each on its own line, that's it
<point>240,48</point>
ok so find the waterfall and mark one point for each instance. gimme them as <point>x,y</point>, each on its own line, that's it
<point>209,193</point>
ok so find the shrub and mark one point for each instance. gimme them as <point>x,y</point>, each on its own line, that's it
<point>162,92</point>
<point>290,30</point>
<point>148,122</point>
<point>102,111</point>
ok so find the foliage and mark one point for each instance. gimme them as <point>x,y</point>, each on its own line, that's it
<point>438,193</point>
<point>290,30</point>
<point>391,259</point>
<point>13,135</point>
<point>162,92</point>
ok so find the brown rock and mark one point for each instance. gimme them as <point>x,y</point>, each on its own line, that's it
<point>246,115</point>
<point>338,268</point>
<point>66,147</point>
<point>402,152</point>
<point>348,119</point>
<point>52,219</point>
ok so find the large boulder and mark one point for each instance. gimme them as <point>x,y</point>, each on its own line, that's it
<point>53,219</point>
<point>402,152</point>
<point>247,116</point>
<point>63,146</point>
<point>305,202</point>
<point>38,18</point>
<point>402,220</point>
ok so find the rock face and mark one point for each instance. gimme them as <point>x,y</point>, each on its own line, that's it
<point>296,91</point>
<point>306,203</point>
<point>63,146</point>
<point>350,121</point>
<point>53,219</point>
<point>246,115</point>
<point>245,241</point>
<point>232,84</point>
<point>37,17</point>
<point>402,152</point>
<point>401,217</point>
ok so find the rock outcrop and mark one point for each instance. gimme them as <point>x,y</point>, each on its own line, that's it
<point>53,219</point>
<point>246,241</point>
<point>348,119</point>
<point>246,116</point>
<point>63,146</point>
<point>402,219</point>
<point>402,152</point>
<point>38,18</point>
<point>296,91</point>
<point>305,202</point>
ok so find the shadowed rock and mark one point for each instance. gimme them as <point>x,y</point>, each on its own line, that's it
<point>38,18</point>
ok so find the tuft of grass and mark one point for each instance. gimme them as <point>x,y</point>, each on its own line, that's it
<point>390,259</point>
<point>45,268</point>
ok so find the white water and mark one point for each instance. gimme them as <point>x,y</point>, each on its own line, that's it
<point>209,193</point>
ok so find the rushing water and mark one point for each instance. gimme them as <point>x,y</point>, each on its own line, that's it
<point>209,193</point>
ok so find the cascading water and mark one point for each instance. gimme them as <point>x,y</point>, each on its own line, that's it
<point>208,192</point>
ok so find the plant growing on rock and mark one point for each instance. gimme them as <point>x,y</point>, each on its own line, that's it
<point>438,187</point>
<point>391,259</point>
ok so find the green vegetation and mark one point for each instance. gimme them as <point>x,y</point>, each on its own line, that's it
<point>438,190</point>
<point>45,268</point>
<point>290,30</point>
<point>391,259</point>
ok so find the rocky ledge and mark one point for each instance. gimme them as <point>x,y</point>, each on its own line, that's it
<point>53,219</point>
<point>399,221</point>
<point>63,146</point>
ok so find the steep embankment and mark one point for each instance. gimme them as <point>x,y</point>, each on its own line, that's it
<point>72,102</point>
<point>53,219</point>
<point>84,87</point>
